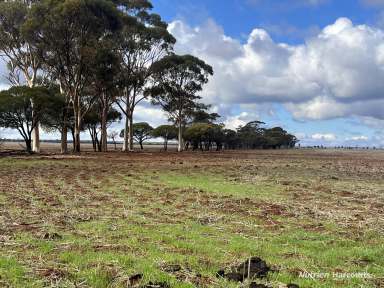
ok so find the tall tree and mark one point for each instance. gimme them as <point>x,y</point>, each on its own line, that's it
<point>104,85</point>
<point>142,44</point>
<point>69,34</point>
<point>177,79</point>
<point>20,54</point>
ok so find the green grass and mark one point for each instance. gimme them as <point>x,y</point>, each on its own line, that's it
<point>114,225</point>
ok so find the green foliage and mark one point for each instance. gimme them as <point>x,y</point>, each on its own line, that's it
<point>178,79</point>
<point>21,108</point>
<point>141,132</point>
<point>253,136</point>
<point>205,135</point>
<point>167,132</point>
<point>69,35</point>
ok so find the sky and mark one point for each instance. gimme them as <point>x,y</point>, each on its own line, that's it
<point>314,67</point>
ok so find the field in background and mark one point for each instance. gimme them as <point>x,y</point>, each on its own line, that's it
<point>98,219</point>
<point>51,147</point>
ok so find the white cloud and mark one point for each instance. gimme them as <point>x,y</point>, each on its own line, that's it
<point>234,122</point>
<point>358,138</point>
<point>337,73</point>
<point>324,137</point>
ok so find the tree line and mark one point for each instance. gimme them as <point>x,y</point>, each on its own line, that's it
<point>80,65</point>
<point>202,133</point>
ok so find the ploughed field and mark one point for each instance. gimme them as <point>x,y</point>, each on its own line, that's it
<point>174,220</point>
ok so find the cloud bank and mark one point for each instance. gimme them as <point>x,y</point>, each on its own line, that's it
<point>337,73</point>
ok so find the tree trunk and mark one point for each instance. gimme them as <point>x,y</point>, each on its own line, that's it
<point>35,131</point>
<point>64,135</point>
<point>126,136</point>
<point>77,115</point>
<point>104,142</point>
<point>73,139</point>
<point>90,129</point>
<point>28,145</point>
<point>130,133</point>
<point>64,132</point>
<point>141,145</point>
<point>126,130</point>
<point>36,137</point>
<point>180,137</point>
<point>98,144</point>
<point>165,144</point>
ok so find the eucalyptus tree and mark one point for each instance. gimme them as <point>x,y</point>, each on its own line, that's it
<point>17,111</point>
<point>141,132</point>
<point>20,54</point>
<point>167,132</point>
<point>69,33</point>
<point>104,86</point>
<point>143,43</point>
<point>177,79</point>
<point>60,119</point>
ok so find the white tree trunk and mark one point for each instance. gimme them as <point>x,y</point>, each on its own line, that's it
<point>126,136</point>
<point>36,139</point>
<point>31,80</point>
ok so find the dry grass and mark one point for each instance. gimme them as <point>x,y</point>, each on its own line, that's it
<point>97,219</point>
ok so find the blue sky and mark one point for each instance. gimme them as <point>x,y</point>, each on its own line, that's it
<point>279,17</point>
<point>294,23</point>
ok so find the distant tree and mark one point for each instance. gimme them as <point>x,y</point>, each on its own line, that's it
<point>167,132</point>
<point>277,137</point>
<point>177,80</point>
<point>141,132</point>
<point>113,136</point>
<point>204,136</point>
<point>197,134</point>
<point>218,136</point>
<point>231,139</point>
<point>93,123</point>
<point>251,135</point>
<point>16,109</point>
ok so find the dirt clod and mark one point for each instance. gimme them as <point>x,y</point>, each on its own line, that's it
<point>135,279</point>
<point>254,267</point>
<point>52,236</point>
